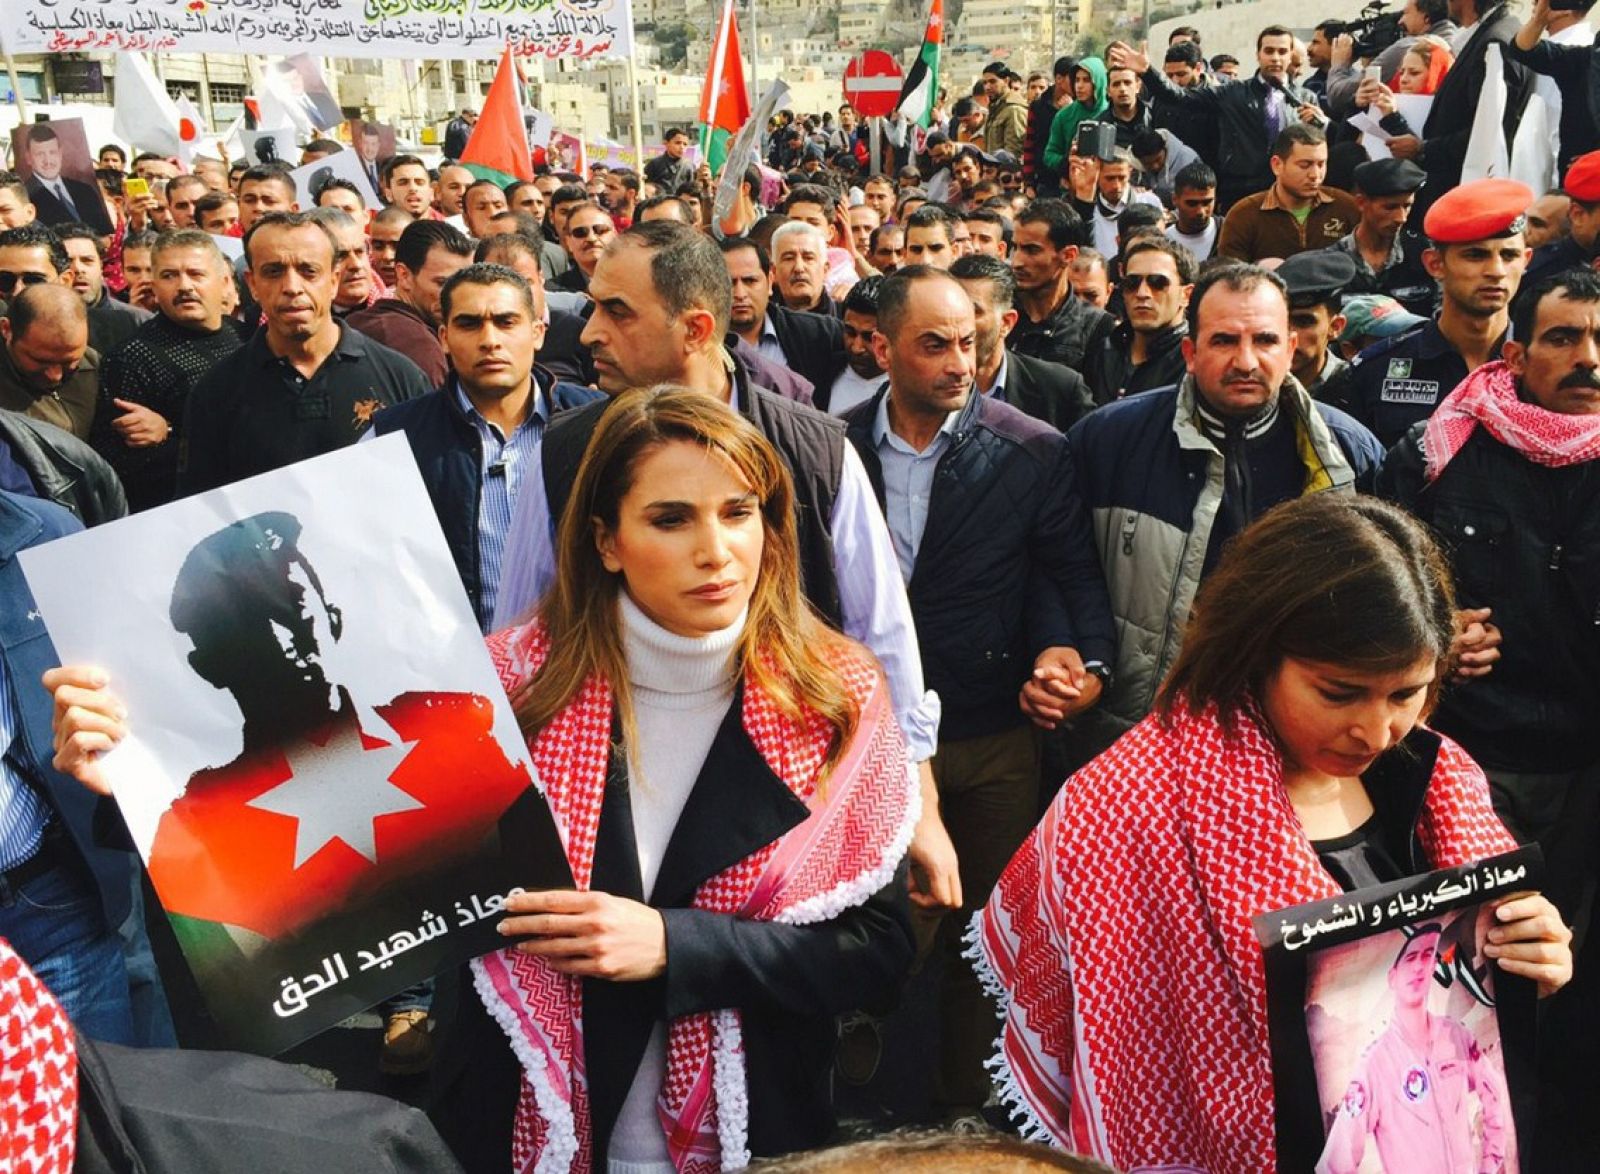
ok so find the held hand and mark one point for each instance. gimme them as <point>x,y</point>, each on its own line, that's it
<point>935,879</point>
<point>1477,643</point>
<point>86,723</point>
<point>590,935</point>
<point>1531,939</point>
<point>139,426</point>
<point>1310,115</point>
<point>1405,147</point>
<point>1343,51</point>
<point>1059,688</point>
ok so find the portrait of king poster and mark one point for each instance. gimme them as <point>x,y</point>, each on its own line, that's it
<point>323,774</point>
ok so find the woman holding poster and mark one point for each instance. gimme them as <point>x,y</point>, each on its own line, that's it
<point>1285,762</point>
<point>734,799</point>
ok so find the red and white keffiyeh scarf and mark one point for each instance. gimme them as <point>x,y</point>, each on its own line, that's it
<point>1488,399</point>
<point>847,850</point>
<point>38,1074</point>
<point>1119,946</point>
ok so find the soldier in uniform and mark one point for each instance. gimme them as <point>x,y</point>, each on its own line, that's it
<point>1476,253</point>
<point>1387,253</point>
<point>1410,1090</point>
<point>1317,281</point>
<point>1575,247</point>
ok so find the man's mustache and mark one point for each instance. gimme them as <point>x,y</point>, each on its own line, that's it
<point>1585,377</point>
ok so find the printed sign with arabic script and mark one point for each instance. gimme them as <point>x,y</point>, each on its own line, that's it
<point>323,774</point>
<point>573,29</point>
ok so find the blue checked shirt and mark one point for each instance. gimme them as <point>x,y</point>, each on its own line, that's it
<point>23,811</point>
<point>506,461</point>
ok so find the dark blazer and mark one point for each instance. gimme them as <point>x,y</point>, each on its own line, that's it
<point>563,351</point>
<point>787,981</point>
<point>812,343</point>
<point>27,650</point>
<point>91,208</point>
<point>1046,391</point>
<point>1449,125</point>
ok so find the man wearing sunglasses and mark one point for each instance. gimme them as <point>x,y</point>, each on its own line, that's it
<point>588,231</point>
<point>1145,351</point>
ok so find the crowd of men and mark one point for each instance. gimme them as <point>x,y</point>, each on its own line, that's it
<point>1031,370</point>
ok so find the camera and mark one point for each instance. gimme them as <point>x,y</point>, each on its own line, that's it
<point>1374,30</point>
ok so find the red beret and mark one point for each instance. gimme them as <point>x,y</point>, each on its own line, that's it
<point>1583,178</point>
<point>1478,211</point>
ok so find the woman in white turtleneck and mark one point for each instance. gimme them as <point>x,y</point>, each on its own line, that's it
<point>735,801</point>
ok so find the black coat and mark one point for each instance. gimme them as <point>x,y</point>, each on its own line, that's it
<point>64,469</point>
<point>1449,125</point>
<point>1067,335</point>
<point>1239,111</point>
<point>563,352</point>
<point>1007,565</point>
<point>787,981</point>
<point>1113,375</point>
<point>1046,391</point>
<point>813,344</point>
<point>1524,539</point>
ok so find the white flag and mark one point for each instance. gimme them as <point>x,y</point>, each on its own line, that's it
<point>1486,156</point>
<point>191,126</point>
<point>145,117</point>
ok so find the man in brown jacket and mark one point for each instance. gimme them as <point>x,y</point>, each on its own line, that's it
<point>428,253</point>
<point>1008,114</point>
<point>1296,213</point>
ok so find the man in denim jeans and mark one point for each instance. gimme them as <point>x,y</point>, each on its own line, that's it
<point>62,896</point>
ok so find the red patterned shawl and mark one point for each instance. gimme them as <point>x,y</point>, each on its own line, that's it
<point>38,1074</point>
<point>1119,944</point>
<point>1488,399</point>
<point>836,859</point>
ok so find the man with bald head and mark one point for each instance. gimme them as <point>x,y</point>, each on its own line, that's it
<point>48,371</point>
<point>1010,607</point>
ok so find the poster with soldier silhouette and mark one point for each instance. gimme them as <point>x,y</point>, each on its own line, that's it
<point>323,774</point>
<point>1397,1043</point>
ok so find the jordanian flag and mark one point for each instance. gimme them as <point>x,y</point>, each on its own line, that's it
<point>498,149</point>
<point>921,91</point>
<point>724,101</point>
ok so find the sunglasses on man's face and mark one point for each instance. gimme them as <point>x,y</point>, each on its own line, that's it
<point>583,232</point>
<point>1159,282</point>
<point>9,280</point>
<point>1010,179</point>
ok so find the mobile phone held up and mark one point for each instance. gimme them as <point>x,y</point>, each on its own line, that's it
<point>1097,140</point>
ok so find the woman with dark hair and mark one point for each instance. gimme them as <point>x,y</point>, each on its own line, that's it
<point>734,798</point>
<point>1285,762</point>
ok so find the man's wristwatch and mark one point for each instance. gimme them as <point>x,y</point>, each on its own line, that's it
<point>1100,669</point>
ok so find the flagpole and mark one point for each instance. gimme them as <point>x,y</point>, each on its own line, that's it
<point>16,82</point>
<point>633,94</point>
<point>755,58</point>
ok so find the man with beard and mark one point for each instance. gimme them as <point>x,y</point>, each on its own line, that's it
<point>1182,470</point>
<point>1478,257</point>
<point>1297,212</point>
<point>1507,472</point>
<point>111,323</point>
<point>1145,351</point>
<point>1053,324</point>
<point>47,368</point>
<point>1114,194</point>
<point>807,344</point>
<point>305,384</point>
<point>859,375</point>
<point>145,383</point>
<point>1194,200</point>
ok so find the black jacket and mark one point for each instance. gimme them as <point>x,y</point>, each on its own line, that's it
<point>1523,539</point>
<point>813,344</point>
<point>1007,565</point>
<point>787,981</point>
<point>449,454</point>
<point>1046,391</point>
<point>64,469</point>
<point>562,353</point>
<point>1065,336</point>
<point>1238,110</point>
<point>1576,71</point>
<point>811,443</point>
<point>1113,375</point>
<point>1449,125</point>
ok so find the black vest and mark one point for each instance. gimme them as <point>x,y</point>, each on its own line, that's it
<point>811,444</point>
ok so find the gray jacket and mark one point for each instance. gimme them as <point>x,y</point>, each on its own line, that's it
<point>1154,484</point>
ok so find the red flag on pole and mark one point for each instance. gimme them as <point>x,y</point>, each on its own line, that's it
<point>498,149</point>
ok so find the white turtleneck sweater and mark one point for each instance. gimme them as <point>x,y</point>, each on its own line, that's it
<point>681,688</point>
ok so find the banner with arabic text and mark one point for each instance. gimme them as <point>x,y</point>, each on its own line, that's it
<point>575,30</point>
<point>323,774</point>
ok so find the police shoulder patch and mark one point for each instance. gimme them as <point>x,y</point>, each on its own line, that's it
<point>1399,369</point>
